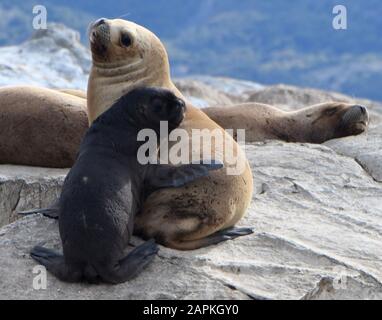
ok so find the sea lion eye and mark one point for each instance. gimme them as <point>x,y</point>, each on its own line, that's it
<point>125,40</point>
<point>331,111</point>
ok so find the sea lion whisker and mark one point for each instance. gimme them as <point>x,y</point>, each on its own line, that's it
<point>123,15</point>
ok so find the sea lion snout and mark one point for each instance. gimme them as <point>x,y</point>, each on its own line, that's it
<point>177,106</point>
<point>333,120</point>
<point>153,106</point>
<point>111,40</point>
<point>356,118</point>
<point>100,33</point>
<point>177,112</point>
<point>356,114</point>
<point>99,36</point>
<point>99,22</point>
<point>363,109</point>
<point>170,108</point>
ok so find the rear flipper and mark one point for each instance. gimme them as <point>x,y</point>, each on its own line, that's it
<point>132,264</point>
<point>51,212</point>
<point>227,234</point>
<point>217,237</point>
<point>55,264</point>
<point>168,176</point>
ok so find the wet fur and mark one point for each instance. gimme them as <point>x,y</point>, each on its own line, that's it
<point>104,190</point>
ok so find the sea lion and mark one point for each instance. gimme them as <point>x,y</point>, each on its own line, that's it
<point>40,127</point>
<point>97,210</point>
<point>126,55</point>
<point>314,124</point>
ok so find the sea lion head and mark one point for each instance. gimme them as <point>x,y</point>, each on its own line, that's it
<point>146,107</point>
<point>113,41</point>
<point>125,56</point>
<point>336,120</point>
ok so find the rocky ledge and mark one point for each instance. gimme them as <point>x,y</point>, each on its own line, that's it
<point>317,217</point>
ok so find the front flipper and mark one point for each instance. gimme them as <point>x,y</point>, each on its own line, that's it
<point>51,212</point>
<point>167,176</point>
<point>55,263</point>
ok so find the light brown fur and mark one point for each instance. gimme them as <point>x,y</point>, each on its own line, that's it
<point>40,127</point>
<point>181,217</point>
<point>314,124</point>
<point>74,92</point>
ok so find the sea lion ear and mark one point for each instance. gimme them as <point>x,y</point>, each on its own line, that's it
<point>167,176</point>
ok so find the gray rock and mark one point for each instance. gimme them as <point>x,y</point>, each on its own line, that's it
<point>65,38</point>
<point>372,163</point>
<point>53,58</point>
<point>24,188</point>
<point>344,288</point>
<point>202,95</point>
<point>316,214</point>
<point>294,96</point>
<point>237,90</point>
<point>366,149</point>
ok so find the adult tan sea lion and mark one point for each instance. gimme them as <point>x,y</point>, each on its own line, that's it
<point>40,127</point>
<point>314,124</point>
<point>126,56</point>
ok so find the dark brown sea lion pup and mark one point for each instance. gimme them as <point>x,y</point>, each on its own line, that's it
<point>106,187</point>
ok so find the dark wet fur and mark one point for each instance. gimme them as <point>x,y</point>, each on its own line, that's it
<point>104,190</point>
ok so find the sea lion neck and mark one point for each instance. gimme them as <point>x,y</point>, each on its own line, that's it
<point>115,69</point>
<point>109,81</point>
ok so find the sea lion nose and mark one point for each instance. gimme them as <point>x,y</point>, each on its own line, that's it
<point>361,108</point>
<point>355,113</point>
<point>358,110</point>
<point>180,104</point>
<point>177,106</point>
<point>99,22</point>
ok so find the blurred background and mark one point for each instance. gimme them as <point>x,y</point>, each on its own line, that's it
<point>265,41</point>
